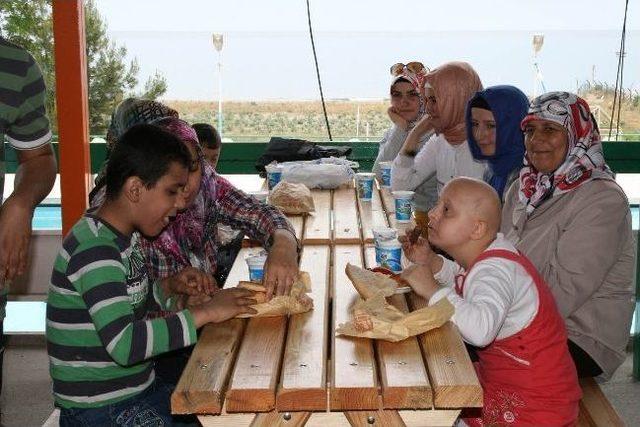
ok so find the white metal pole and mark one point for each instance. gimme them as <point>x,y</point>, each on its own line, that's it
<point>358,122</point>
<point>220,93</point>
<point>535,76</point>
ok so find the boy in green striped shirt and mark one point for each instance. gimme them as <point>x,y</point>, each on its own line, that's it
<point>99,340</point>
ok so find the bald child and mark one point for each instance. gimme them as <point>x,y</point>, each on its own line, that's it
<point>502,305</point>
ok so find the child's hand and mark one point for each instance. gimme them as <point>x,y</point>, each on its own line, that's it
<point>191,281</point>
<point>224,305</point>
<point>419,252</point>
<point>421,280</point>
<point>196,300</point>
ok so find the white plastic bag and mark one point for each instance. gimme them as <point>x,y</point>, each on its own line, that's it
<point>324,173</point>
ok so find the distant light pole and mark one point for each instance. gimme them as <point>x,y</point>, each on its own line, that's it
<point>538,41</point>
<point>217,40</point>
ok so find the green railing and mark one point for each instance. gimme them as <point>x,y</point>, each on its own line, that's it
<point>240,157</point>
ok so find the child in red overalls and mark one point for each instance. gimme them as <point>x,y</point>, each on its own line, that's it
<point>502,305</point>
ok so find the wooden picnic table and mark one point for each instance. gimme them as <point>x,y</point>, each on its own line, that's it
<point>296,371</point>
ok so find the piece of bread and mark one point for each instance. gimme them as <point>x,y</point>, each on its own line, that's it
<point>368,283</point>
<point>292,198</point>
<point>259,291</point>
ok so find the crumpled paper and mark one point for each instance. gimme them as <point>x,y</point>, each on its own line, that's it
<point>296,302</point>
<point>290,198</point>
<point>373,317</point>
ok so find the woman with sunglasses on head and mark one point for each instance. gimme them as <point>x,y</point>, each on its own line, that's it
<point>446,154</point>
<point>568,215</point>
<point>493,119</point>
<point>407,107</point>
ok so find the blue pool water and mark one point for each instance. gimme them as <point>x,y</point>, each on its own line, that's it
<point>49,218</point>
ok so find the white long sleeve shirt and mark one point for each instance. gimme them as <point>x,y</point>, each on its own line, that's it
<point>499,297</point>
<point>437,157</point>
<point>426,195</point>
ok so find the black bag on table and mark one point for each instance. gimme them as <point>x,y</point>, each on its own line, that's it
<point>287,150</point>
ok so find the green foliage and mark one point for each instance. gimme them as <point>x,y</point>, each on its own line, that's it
<point>111,78</point>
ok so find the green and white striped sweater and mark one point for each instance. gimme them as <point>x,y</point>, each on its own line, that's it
<point>99,341</point>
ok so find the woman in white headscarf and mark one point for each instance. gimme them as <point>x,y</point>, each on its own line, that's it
<point>406,109</point>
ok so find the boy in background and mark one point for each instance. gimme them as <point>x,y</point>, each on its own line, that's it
<point>100,343</point>
<point>502,305</point>
<point>210,142</point>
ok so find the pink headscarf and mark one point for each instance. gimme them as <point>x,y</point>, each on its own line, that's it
<point>585,158</point>
<point>191,229</point>
<point>453,83</point>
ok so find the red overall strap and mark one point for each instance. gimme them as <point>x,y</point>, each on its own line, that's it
<point>496,253</point>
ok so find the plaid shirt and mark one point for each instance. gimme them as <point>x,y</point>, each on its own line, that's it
<point>230,206</point>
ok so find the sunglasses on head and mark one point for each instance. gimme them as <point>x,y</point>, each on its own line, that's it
<point>415,67</point>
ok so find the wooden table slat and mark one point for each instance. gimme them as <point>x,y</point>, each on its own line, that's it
<point>276,419</point>
<point>370,256</point>
<point>388,202</point>
<point>354,382</point>
<point>202,384</point>
<point>303,383</point>
<point>317,227</point>
<point>372,215</point>
<point>453,378</point>
<point>404,379</point>
<point>381,418</point>
<point>253,384</point>
<point>346,227</point>
<point>405,383</point>
<point>297,221</point>
<point>255,377</point>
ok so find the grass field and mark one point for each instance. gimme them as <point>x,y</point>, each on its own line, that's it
<point>258,121</point>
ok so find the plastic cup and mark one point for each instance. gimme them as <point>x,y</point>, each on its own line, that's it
<point>260,195</point>
<point>384,233</point>
<point>364,182</point>
<point>389,254</point>
<point>256,267</point>
<point>274,174</point>
<point>385,172</point>
<point>403,205</point>
<point>388,248</point>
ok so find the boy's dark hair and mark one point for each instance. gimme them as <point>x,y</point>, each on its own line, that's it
<point>145,151</point>
<point>208,136</point>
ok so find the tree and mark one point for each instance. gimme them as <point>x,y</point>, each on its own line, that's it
<point>111,78</point>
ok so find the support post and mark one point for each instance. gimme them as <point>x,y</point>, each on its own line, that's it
<point>72,101</point>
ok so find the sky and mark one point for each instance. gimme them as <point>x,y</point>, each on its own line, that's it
<point>267,53</point>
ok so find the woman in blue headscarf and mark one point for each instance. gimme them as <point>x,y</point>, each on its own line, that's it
<point>493,119</point>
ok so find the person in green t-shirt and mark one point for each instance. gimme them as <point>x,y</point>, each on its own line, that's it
<point>24,124</point>
<point>100,340</point>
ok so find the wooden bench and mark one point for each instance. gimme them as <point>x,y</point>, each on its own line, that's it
<point>595,408</point>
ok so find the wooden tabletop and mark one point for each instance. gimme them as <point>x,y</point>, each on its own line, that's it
<point>294,371</point>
